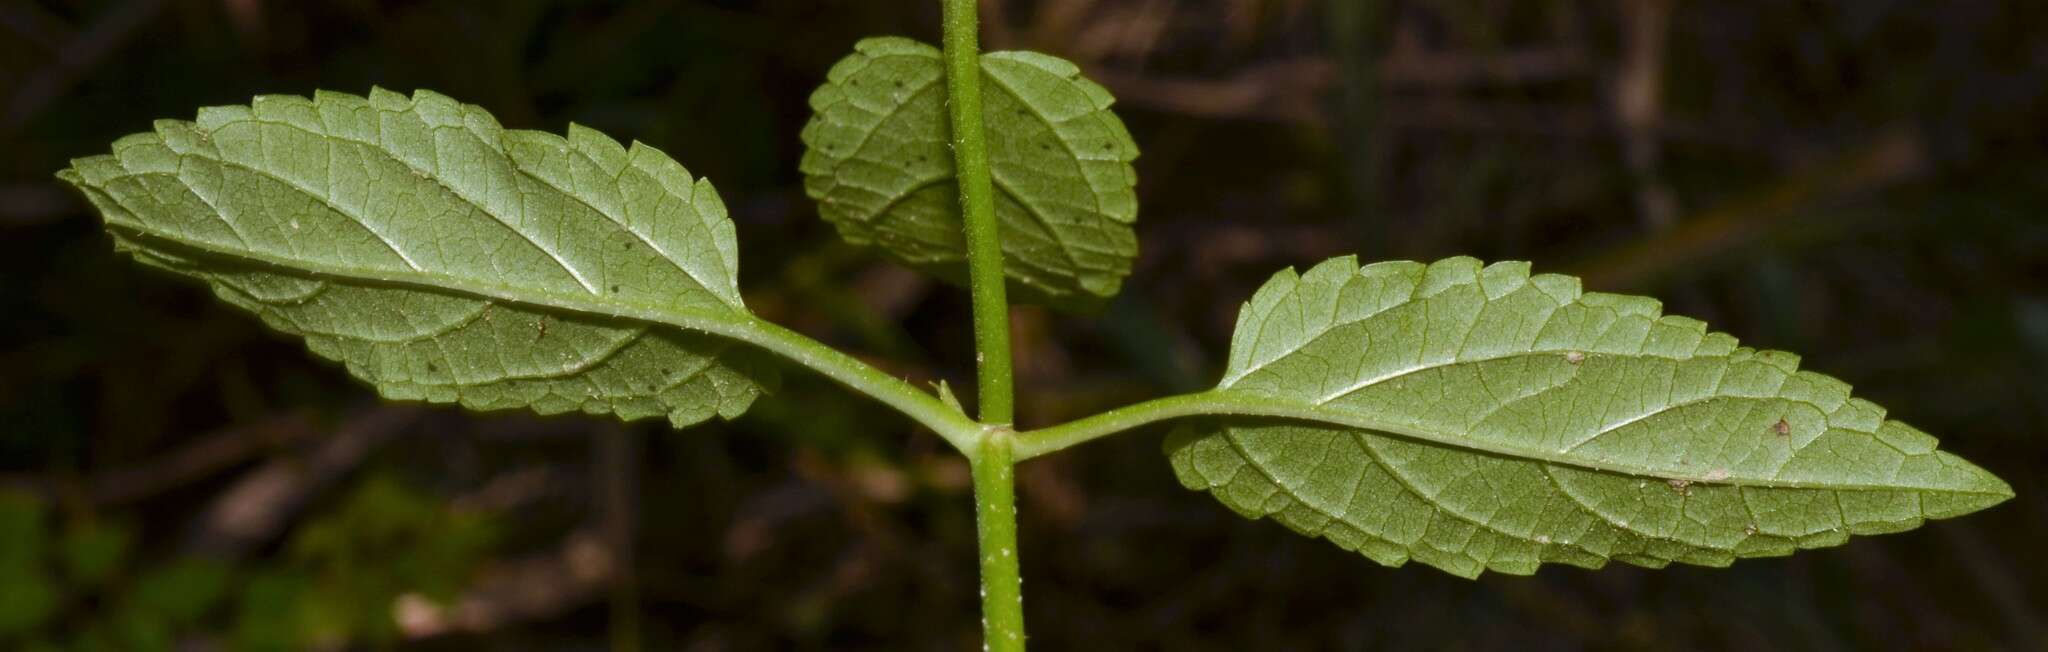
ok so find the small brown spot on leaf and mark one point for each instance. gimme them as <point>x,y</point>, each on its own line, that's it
<point>1682,486</point>
<point>615,289</point>
<point>1782,427</point>
<point>432,367</point>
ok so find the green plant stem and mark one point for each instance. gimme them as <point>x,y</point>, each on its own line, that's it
<point>978,212</point>
<point>1214,403</point>
<point>920,406</point>
<point>995,511</point>
<point>1034,443</point>
<point>995,490</point>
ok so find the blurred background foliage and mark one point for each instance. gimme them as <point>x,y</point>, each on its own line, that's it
<point>1864,182</point>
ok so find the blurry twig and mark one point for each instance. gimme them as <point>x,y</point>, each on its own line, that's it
<point>247,17</point>
<point>618,466</point>
<point>88,48</point>
<point>1288,90</point>
<point>1446,70</point>
<point>1128,30</point>
<point>1526,118</point>
<point>198,460</point>
<point>1638,98</point>
<point>35,25</point>
<point>529,588</point>
<point>1894,156</point>
<point>1292,89</point>
<point>258,507</point>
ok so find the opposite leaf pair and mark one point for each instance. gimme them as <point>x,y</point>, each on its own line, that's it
<point>1468,417</point>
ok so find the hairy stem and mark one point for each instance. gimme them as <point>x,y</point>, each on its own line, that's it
<point>995,510</point>
<point>995,499</point>
<point>978,211</point>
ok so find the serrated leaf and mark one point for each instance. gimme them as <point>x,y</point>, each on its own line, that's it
<point>878,162</point>
<point>441,257</point>
<point>1478,418</point>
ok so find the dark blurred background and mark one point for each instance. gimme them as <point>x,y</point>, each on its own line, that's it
<point>1863,182</point>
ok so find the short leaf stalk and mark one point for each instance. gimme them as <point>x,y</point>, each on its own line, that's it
<point>995,500</point>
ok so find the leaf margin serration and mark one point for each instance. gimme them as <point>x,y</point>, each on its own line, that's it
<point>1083,280</point>
<point>726,382</point>
<point>1193,448</point>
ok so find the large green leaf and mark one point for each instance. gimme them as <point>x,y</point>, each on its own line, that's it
<point>880,167</point>
<point>441,257</point>
<point>1483,419</point>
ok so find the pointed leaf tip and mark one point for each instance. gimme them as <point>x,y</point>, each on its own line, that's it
<point>1479,418</point>
<point>442,258</point>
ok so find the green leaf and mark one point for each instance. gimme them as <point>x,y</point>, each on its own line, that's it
<point>443,258</point>
<point>879,165</point>
<point>1483,419</point>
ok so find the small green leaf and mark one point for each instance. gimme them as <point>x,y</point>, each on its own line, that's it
<point>880,167</point>
<point>1481,419</point>
<point>441,257</point>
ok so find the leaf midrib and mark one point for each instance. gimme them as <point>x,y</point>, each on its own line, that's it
<point>730,324</point>
<point>1244,403</point>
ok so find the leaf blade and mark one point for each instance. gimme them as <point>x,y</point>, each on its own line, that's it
<point>1612,412</point>
<point>348,220</point>
<point>879,166</point>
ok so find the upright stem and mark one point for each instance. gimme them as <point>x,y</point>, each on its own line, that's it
<point>995,482</point>
<point>978,211</point>
<point>995,511</point>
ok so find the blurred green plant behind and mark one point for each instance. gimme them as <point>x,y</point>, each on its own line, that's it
<point>1865,183</point>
